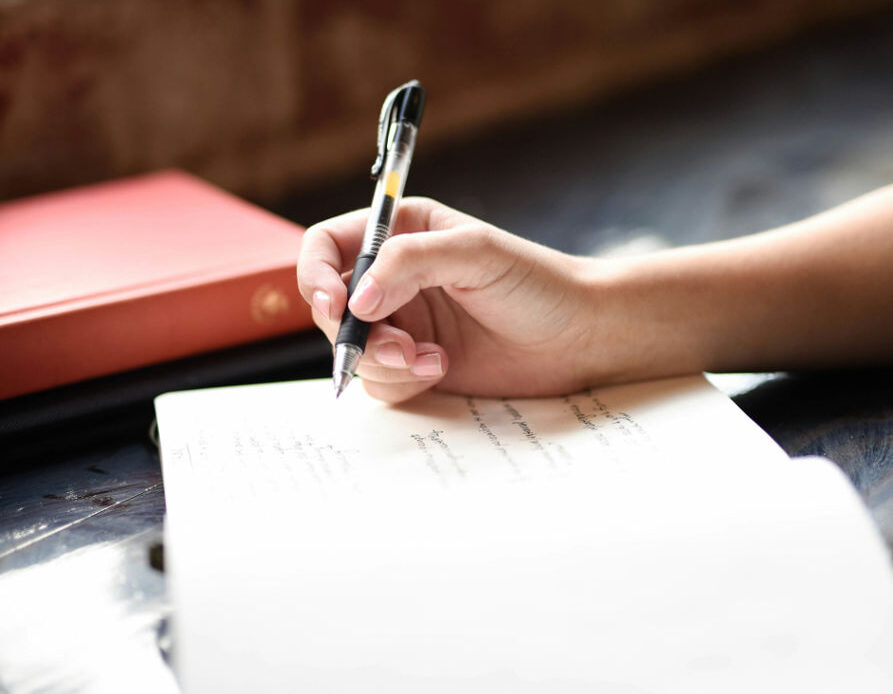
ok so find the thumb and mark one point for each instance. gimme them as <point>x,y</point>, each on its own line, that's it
<point>465,257</point>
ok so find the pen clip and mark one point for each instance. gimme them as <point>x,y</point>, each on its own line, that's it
<point>385,121</point>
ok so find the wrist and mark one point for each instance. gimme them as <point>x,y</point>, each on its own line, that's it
<point>651,318</point>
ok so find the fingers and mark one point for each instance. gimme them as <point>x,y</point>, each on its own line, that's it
<point>326,251</point>
<point>329,248</point>
<point>394,367</point>
<point>425,214</point>
<point>395,392</point>
<point>425,369</point>
<point>470,256</point>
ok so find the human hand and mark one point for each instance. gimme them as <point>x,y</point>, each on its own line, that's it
<point>464,306</point>
<point>455,303</point>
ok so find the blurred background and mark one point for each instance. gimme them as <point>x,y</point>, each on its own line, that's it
<point>276,100</point>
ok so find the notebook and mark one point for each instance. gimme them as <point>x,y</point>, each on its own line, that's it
<point>636,538</point>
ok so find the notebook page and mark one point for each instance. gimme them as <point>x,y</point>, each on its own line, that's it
<point>309,443</point>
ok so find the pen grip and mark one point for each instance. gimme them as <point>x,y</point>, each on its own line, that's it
<point>353,331</point>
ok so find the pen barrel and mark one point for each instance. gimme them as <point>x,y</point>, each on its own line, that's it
<point>388,192</point>
<point>353,331</point>
<point>389,188</point>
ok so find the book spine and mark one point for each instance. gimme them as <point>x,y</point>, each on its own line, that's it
<point>120,335</point>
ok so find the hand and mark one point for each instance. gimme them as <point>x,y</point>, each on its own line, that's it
<point>464,306</point>
<point>456,303</point>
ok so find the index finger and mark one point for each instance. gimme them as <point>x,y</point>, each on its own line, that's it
<point>329,248</point>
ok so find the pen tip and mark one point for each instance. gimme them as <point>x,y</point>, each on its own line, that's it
<point>341,380</point>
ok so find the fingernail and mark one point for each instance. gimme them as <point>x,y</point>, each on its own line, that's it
<point>390,354</point>
<point>322,302</point>
<point>367,296</point>
<point>428,365</point>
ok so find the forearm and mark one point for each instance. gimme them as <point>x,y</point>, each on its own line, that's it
<point>818,293</point>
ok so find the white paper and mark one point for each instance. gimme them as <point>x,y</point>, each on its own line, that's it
<point>643,538</point>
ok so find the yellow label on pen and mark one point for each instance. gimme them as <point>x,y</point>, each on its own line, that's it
<point>392,186</point>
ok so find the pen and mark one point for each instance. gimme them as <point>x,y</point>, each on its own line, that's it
<point>398,125</point>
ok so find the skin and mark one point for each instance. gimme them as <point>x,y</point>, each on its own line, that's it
<point>463,306</point>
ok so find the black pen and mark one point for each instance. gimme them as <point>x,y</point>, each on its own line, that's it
<point>398,125</point>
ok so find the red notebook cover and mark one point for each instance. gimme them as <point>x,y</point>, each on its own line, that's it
<point>120,275</point>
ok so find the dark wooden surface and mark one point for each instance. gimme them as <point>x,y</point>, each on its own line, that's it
<point>743,146</point>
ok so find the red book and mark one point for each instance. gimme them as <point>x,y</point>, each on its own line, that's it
<point>120,275</point>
